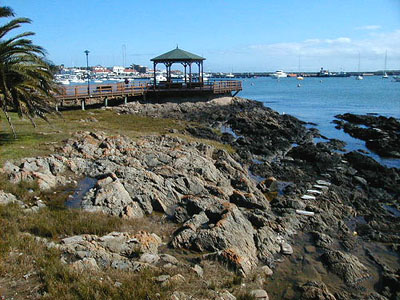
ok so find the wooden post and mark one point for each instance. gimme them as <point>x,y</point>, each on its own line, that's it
<point>83,104</point>
<point>106,101</point>
<point>125,99</point>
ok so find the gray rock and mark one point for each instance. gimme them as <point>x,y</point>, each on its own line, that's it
<point>7,198</point>
<point>149,258</point>
<point>73,239</point>
<point>168,259</point>
<point>315,290</point>
<point>268,243</point>
<point>286,248</point>
<point>259,294</point>
<point>346,266</point>
<point>267,271</point>
<point>85,264</point>
<point>360,180</point>
<point>231,238</point>
<point>198,270</point>
<point>225,295</point>
<point>162,278</point>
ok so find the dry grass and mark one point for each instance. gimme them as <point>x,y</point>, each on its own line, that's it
<point>28,270</point>
<point>42,139</point>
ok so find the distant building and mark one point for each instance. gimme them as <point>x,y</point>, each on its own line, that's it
<point>177,72</point>
<point>118,69</point>
<point>139,68</point>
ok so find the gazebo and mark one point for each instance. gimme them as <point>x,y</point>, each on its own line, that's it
<point>179,56</point>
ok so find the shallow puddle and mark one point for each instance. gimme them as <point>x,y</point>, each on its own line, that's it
<point>392,210</point>
<point>227,129</point>
<point>83,186</point>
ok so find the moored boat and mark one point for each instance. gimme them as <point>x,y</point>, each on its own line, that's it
<point>279,74</point>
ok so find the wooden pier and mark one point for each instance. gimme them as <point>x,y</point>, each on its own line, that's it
<point>82,95</point>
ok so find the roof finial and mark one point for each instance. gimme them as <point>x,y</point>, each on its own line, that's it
<point>177,46</point>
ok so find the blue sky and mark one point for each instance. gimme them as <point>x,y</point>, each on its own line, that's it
<point>238,36</point>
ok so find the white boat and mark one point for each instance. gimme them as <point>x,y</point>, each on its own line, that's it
<point>230,75</point>
<point>75,79</point>
<point>159,78</point>
<point>359,77</point>
<point>279,74</point>
<point>63,81</point>
<point>385,75</point>
<point>299,77</point>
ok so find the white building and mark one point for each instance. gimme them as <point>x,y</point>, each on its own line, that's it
<point>118,69</point>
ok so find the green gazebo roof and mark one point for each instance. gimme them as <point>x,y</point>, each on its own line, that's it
<point>177,55</point>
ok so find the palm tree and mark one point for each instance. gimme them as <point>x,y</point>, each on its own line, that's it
<point>26,78</point>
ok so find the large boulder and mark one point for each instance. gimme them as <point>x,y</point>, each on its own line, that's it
<point>346,266</point>
<point>230,237</point>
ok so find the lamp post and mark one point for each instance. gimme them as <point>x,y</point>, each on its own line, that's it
<point>87,68</point>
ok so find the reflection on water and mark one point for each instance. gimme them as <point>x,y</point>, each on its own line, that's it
<point>227,129</point>
<point>392,210</point>
<point>83,186</point>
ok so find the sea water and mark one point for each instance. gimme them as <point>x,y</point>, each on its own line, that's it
<point>318,100</point>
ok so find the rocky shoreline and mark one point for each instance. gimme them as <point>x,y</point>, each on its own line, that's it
<point>278,204</point>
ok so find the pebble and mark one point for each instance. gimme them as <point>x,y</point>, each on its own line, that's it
<point>267,271</point>
<point>162,278</point>
<point>314,192</point>
<point>308,197</point>
<point>286,248</point>
<point>198,270</point>
<point>304,212</point>
<point>149,258</point>
<point>259,294</point>
<point>323,182</point>
<point>321,187</point>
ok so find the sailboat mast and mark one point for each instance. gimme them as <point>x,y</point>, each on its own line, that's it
<point>385,61</point>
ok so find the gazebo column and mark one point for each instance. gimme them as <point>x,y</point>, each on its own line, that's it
<point>168,67</point>
<point>185,65</point>
<point>198,64</point>
<point>202,72</point>
<point>190,74</point>
<point>154,83</point>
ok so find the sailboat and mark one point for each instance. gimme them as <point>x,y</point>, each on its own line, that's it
<point>359,77</point>
<point>299,77</point>
<point>385,75</point>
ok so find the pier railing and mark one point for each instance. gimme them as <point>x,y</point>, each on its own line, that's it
<point>73,95</point>
<point>76,92</point>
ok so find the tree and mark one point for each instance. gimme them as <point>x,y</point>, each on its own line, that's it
<point>27,83</point>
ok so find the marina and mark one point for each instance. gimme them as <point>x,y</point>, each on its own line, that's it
<point>158,87</point>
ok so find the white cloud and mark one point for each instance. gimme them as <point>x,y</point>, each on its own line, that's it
<point>341,40</point>
<point>369,27</point>
<point>337,52</point>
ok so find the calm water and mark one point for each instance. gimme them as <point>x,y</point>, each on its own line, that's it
<point>319,102</point>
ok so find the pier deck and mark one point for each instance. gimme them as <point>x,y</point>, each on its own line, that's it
<point>84,95</point>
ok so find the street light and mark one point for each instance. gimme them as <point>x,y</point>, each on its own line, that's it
<point>87,68</point>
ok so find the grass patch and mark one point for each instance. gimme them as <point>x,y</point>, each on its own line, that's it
<point>41,140</point>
